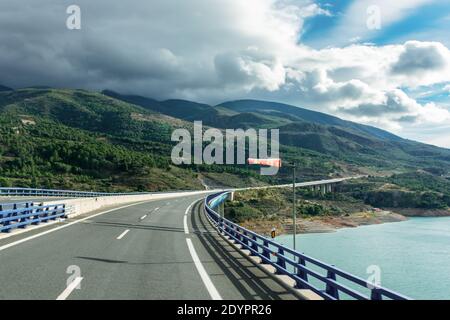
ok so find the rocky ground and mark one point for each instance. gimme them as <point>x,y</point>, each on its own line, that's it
<point>323,223</point>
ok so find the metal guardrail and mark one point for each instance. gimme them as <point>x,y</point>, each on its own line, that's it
<point>28,214</point>
<point>325,280</point>
<point>72,193</point>
<point>59,193</point>
<point>15,205</point>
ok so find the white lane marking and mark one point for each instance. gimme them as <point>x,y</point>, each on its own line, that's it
<point>70,288</point>
<point>185,225</point>
<point>189,208</point>
<point>186,229</point>
<point>203,274</point>
<point>9,245</point>
<point>143,217</point>
<point>156,209</point>
<point>123,234</point>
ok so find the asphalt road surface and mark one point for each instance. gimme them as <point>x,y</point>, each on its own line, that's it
<point>164,249</point>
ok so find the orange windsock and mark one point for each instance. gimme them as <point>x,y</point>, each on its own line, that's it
<point>266,162</point>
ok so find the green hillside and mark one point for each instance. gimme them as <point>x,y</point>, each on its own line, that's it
<point>343,141</point>
<point>105,141</point>
<point>84,140</point>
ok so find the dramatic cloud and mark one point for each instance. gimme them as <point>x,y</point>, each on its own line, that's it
<point>218,50</point>
<point>423,63</point>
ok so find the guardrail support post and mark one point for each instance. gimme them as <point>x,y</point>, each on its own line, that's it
<point>226,228</point>
<point>332,290</point>
<point>236,234</point>
<point>5,224</point>
<point>37,212</point>
<point>45,215</point>
<point>301,273</point>
<point>65,216</point>
<point>25,219</point>
<point>281,264</point>
<point>221,227</point>
<point>254,244</point>
<point>14,213</point>
<point>244,238</point>
<point>266,251</point>
<point>375,294</point>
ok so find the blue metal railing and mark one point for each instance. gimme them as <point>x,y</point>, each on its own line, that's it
<point>72,193</point>
<point>59,193</point>
<point>24,214</point>
<point>15,205</point>
<point>325,280</point>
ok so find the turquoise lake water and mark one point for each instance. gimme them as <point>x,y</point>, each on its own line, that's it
<point>414,255</point>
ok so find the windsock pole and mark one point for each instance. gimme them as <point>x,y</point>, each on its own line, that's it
<point>294,209</point>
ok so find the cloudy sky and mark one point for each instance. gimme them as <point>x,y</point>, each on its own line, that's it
<point>332,56</point>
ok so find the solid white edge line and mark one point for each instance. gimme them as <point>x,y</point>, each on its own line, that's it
<point>185,225</point>
<point>66,293</point>
<point>186,229</point>
<point>203,274</point>
<point>189,208</point>
<point>123,234</point>
<point>9,245</point>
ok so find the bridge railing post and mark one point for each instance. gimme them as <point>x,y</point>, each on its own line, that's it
<point>244,238</point>
<point>221,227</point>
<point>254,244</point>
<point>54,213</point>
<point>331,289</point>
<point>6,223</point>
<point>226,228</point>
<point>24,219</point>
<point>235,232</point>
<point>375,294</point>
<point>281,263</point>
<point>301,273</point>
<point>14,214</point>
<point>36,216</point>
<point>45,215</point>
<point>266,251</point>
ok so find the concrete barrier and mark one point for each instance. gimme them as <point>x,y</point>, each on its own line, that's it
<point>80,206</point>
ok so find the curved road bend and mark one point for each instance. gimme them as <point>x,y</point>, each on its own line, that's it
<point>144,251</point>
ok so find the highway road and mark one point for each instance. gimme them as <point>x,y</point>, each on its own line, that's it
<point>160,249</point>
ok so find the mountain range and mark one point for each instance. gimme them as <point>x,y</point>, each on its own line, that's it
<point>110,141</point>
<point>306,129</point>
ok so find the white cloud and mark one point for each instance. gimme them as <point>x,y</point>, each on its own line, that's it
<point>222,50</point>
<point>422,63</point>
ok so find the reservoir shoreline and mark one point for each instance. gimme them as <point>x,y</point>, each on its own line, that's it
<point>326,224</point>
